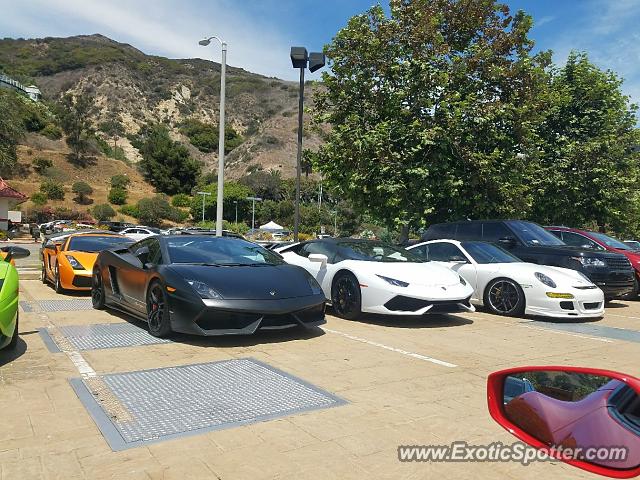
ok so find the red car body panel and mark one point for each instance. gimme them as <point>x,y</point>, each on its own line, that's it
<point>495,401</point>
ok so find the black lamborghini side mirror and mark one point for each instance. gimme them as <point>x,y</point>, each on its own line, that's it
<point>15,252</point>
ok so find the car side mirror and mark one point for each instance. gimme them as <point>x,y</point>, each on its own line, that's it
<point>143,255</point>
<point>507,242</point>
<point>319,257</point>
<point>14,253</point>
<point>585,417</point>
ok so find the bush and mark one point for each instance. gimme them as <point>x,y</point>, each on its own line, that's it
<point>151,211</point>
<point>52,189</point>
<point>120,181</point>
<point>104,211</point>
<point>39,198</point>
<point>130,210</point>
<point>40,164</point>
<point>82,191</point>
<point>117,196</point>
<point>205,138</point>
<point>51,131</point>
<point>181,200</point>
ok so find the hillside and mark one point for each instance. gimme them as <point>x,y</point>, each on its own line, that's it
<point>144,89</point>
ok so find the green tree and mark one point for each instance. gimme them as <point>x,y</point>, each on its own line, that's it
<point>11,131</point>
<point>588,173</point>
<point>233,192</point>
<point>113,128</point>
<point>39,198</point>
<point>82,191</point>
<point>120,181</point>
<point>103,211</point>
<point>117,196</point>
<point>266,185</point>
<point>430,108</point>
<point>181,200</point>
<point>205,136</point>
<point>52,189</point>
<point>75,118</point>
<point>166,164</point>
<point>41,164</point>
<point>151,211</point>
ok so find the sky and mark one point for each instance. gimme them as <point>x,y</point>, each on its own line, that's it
<point>260,32</point>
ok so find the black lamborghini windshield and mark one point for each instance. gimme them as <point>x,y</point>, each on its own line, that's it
<point>219,251</point>
<point>94,244</point>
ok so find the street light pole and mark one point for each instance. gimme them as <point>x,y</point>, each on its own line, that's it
<point>223,65</point>
<point>236,203</point>
<point>253,211</point>
<point>299,59</point>
<point>204,195</point>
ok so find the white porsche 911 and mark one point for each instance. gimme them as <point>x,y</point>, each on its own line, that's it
<point>375,277</point>
<point>508,286</point>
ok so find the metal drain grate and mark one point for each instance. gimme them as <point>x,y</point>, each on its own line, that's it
<point>26,306</point>
<point>58,305</point>
<point>103,335</point>
<point>158,405</point>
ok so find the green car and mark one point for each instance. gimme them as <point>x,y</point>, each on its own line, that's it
<point>9,296</point>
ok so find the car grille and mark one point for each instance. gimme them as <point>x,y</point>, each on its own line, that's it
<point>227,321</point>
<point>592,305</point>
<point>81,282</point>
<point>622,263</point>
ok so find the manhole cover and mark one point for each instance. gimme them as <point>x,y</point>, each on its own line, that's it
<point>157,405</point>
<point>102,335</point>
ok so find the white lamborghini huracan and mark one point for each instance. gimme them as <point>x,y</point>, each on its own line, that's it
<point>508,286</point>
<point>375,277</point>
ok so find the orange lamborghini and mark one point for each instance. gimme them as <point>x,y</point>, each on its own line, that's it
<point>69,265</point>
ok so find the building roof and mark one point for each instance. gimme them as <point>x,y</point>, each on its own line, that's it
<point>8,192</point>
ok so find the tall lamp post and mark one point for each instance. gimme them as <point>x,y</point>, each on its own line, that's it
<point>253,211</point>
<point>204,195</point>
<point>236,204</point>
<point>299,59</point>
<point>223,66</point>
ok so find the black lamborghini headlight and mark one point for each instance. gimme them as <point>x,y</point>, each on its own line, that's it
<point>75,264</point>
<point>204,290</point>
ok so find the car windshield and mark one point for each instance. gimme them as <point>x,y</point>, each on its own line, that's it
<point>378,252</point>
<point>219,251</point>
<point>533,234</point>
<point>484,253</point>
<point>610,241</point>
<point>95,244</point>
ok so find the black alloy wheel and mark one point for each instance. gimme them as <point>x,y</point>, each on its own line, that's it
<point>158,311</point>
<point>97,290</point>
<point>346,297</point>
<point>503,296</point>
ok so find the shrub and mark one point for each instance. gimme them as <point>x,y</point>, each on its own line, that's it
<point>181,200</point>
<point>52,189</point>
<point>117,196</point>
<point>39,198</point>
<point>51,131</point>
<point>40,164</point>
<point>120,181</point>
<point>82,191</point>
<point>130,210</point>
<point>104,211</point>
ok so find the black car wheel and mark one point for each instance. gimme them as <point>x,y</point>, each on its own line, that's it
<point>346,297</point>
<point>56,281</point>
<point>503,296</point>
<point>97,290</point>
<point>14,337</point>
<point>633,295</point>
<point>158,311</point>
<point>43,275</point>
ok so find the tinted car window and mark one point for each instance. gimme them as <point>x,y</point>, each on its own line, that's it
<point>95,244</point>
<point>321,248</point>
<point>196,249</point>
<point>494,231</point>
<point>577,240</point>
<point>484,253</point>
<point>445,252</point>
<point>469,231</point>
<point>373,251</point>
<point>533,234</point>
<point>442,230</point>
<point>610,241</point>
<point>155,253</point>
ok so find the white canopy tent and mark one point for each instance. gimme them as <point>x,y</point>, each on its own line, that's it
<point>271,227</point>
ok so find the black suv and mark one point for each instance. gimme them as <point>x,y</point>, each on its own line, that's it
<point>530,242</point>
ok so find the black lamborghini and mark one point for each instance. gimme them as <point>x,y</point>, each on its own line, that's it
<point>206,286</point>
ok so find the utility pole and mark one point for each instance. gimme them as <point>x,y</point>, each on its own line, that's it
<point>204,195</point>
<point>253,211</point>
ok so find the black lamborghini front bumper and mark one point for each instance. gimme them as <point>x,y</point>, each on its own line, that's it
<point>244,317</point>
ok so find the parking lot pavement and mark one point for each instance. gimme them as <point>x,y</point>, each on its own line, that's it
<point>404,381</point>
